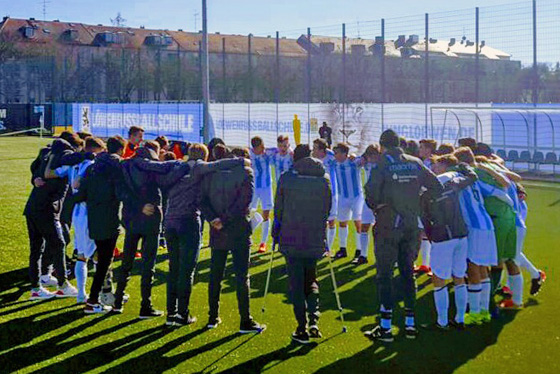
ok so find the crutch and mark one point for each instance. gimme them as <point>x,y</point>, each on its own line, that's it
<point>344,328</point>
<point>268,276</point>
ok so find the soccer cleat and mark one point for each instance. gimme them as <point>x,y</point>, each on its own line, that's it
<point>423,269</point>
<point>184,320</point>
<point>146,313</point>
<point>314,332</point>
<point>213,322</point>
<point>250,327</point>
<point>117,310</point>
<point>41,294</point>
<point>380,334</point>
<point>96,309</point>
<point>357,254</point>
<point>411,332</point>
<point>457,325</point>
<point>66,291</point>
<point>262,248</point>
<point>170,321</point>
<point>341,253</point>
<point>473,319</point>
<point>360,260</point>
<point>485,316</point>
<point>301,337</point>
<point>435,327</point>
<point>536,283</point>
<point>508,304</point>
<point>48,281</point>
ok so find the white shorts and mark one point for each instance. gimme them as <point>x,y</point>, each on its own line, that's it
<point>368,218</point>
<point>521,233</point>
<point>482,247</point>
<point>84,245</point>
<point>334,207</point>
<point>264,195</point>
<point>449,258</point>
<point>350,208</point>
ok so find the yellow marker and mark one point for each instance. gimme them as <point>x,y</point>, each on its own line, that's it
<point>297,129</point>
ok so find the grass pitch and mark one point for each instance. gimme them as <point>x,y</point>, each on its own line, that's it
<point>56,337</point>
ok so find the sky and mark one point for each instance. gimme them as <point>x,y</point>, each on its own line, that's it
<point>505,25</point>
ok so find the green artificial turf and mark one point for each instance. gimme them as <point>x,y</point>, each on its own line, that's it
<point>56,337</point>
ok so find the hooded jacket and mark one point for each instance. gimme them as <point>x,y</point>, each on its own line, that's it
<point>301,209</point>
<point>226,194</point>
<point>48,199</point>
<point>99,190</point>
<point>442,215</point>
<point>393,189</point>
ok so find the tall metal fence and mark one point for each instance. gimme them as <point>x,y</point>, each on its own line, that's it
<point>380,73</point>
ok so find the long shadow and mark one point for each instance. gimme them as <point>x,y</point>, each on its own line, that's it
<point>448,350</point>
<point>156,362</point>
<point>257,364</point>
<point>20,358</point>
<point>21,330</point>
<point>18,279</point>
<point>106,353</point>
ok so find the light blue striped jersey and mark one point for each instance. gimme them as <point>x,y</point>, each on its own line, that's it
<point>512,193</point>
<point>349,181</point>
<point>73,172</point>
<point>281,162</point>
<point>261,165</point>
<point>523,210</point>
<point>471,200</point>
<point>329,164</point>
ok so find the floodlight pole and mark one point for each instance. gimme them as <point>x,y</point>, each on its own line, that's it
<point>205,76</point>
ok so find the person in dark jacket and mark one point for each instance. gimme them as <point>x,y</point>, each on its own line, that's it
<point>183,227</point>
<point>142,217</point>
<point>393,193</point>
<point>225,199</point>
<point>446,230</point>
<point>301,211</point>
<point>99,190</point>
<point>42,212</point>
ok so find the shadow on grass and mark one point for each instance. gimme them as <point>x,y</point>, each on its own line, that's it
<point>17,279</point>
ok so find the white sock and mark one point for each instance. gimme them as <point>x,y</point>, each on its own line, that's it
<point>358,242</point>
<point>425,247</point>
<point>485,294</point>
<point>441,299</point>
<point>80,270</point>
<point>460,302</point>
<point>516,282</point>
<point>343,236</point>
<point>331,233</point>
<point>528,265</point>
<point>364,239</point>
<point>265,226</point>
<point>474,298</point>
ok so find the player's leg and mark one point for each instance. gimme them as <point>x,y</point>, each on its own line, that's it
<point>54,243</point>
<point>407,253</point>
<point>36,247</point>
<point>267,204</point>
<point>331,229</point>
<point>173,249</point>
<point>441,263</point>
<point>129,251</point>
<point>105,250</point>
<point>149,254</point>
<point>537,276</point>
<point>217,268</point>
<point>358,228</point>
<point>515,239</point>
<point>344,215</point>
<point>459,270</point>
<point>296,278</point>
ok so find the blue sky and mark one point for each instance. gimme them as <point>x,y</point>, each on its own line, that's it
<point>507,27</point>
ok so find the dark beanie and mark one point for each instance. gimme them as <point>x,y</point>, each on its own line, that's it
<point>301,151</point>
<point>389,139</point>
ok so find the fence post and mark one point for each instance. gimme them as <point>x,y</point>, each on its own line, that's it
<point>535,73</point>
<point>224,87</point>
<point>250,87</point>
<point>343,81</point>
<point>477,58</point>
<point>427,72</point>
<point>277,79</point>
<point>383,76</point>
<point>308,87</point>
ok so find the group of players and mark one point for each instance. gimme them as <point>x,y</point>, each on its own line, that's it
<point>472,220</point>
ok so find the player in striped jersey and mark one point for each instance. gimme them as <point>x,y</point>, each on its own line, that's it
<point>323,153</point>
<point>261,162</point>
<point>350,197</point>
<point>482,250</point>
<point>427,149</point>
<point>369,162</point>
<point>282,157</point>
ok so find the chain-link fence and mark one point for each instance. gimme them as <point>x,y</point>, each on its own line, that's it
<point>359,77</point>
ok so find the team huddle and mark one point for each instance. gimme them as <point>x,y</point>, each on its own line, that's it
<point>462,209</point>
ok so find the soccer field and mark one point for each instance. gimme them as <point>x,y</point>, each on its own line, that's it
<point>56,337</point>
